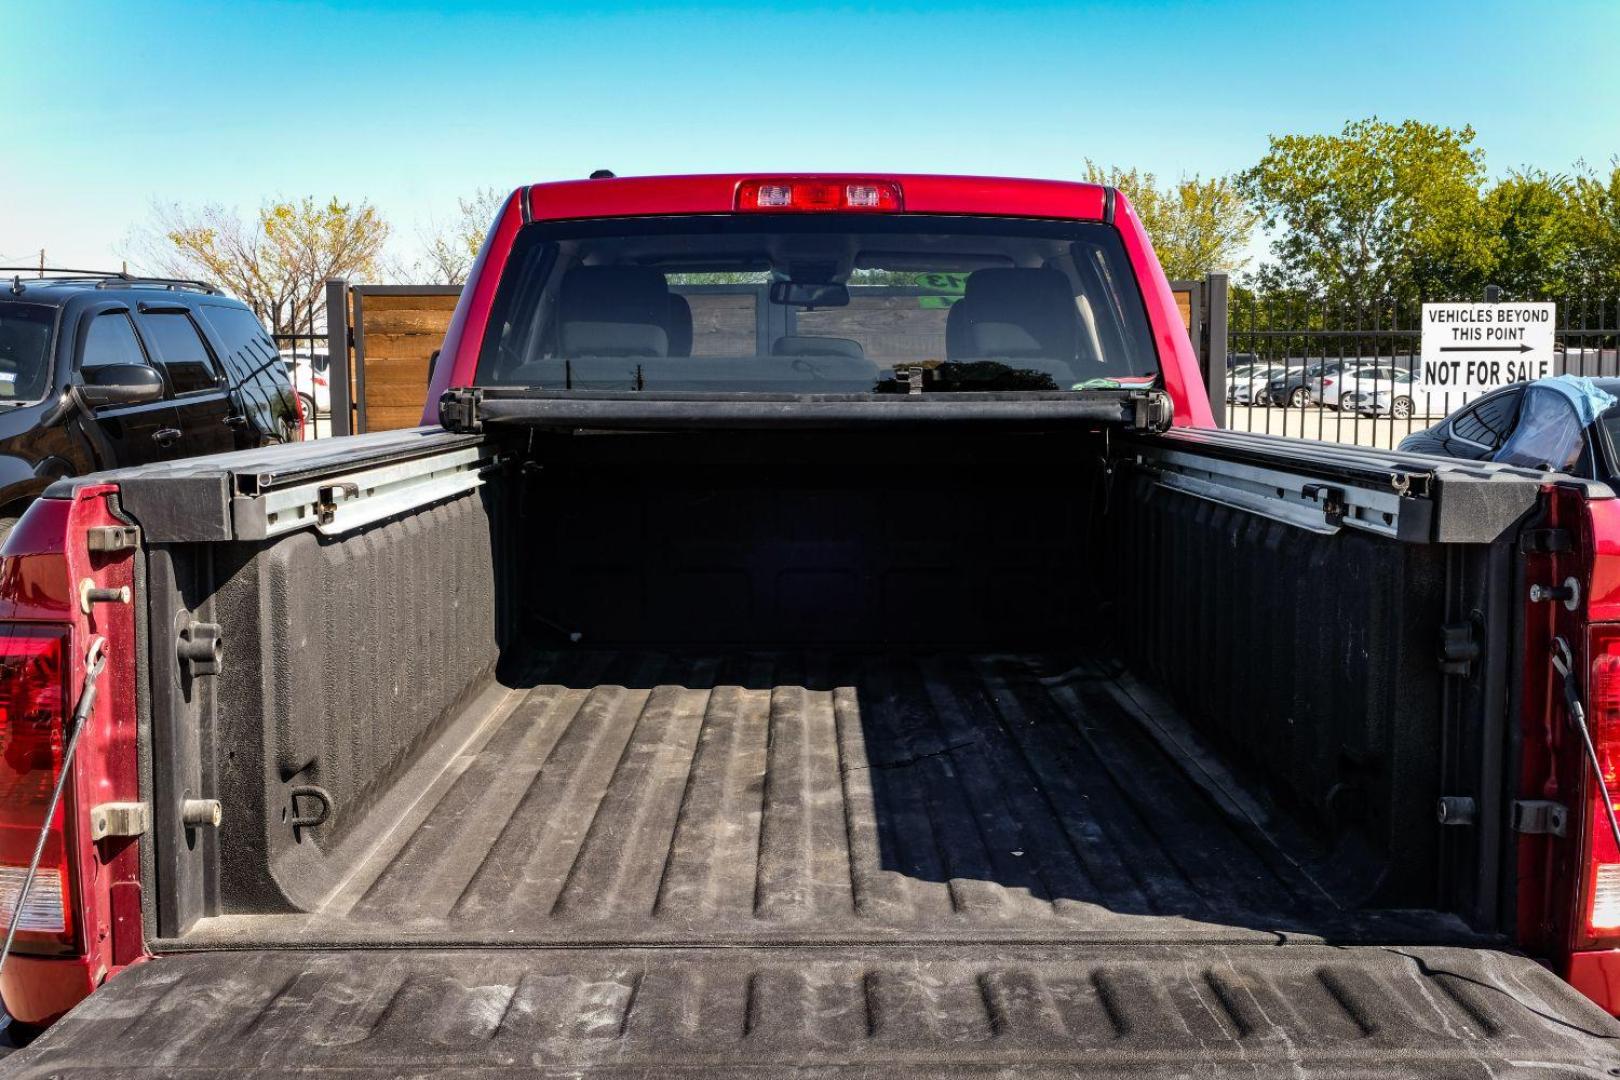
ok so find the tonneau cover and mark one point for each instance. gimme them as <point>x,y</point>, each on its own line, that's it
<point>1030,1011</point>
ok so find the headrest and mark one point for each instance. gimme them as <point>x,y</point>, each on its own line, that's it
<point>1016,313</point>
<point>614,311</point>
<point>680,325</point>
<point>956,336</point>
<point>801,345</point>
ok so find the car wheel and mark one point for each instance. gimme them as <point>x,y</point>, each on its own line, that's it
<point>308,405</point>
<point>1300,398</point>
<point>1401,408</point>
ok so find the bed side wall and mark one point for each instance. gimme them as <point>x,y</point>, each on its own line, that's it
<point>1314,660</point>
<point>343,656</point>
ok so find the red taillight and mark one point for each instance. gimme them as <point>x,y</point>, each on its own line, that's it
<point>33,689</point>
<point>303,421</point>
<point>1601,897</point>
<point>1327,382</point>
<point>810,194</point>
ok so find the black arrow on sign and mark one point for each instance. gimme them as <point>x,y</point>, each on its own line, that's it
<point>1485,348</point>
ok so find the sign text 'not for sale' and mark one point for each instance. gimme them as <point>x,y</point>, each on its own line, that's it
<point>1483,346</point>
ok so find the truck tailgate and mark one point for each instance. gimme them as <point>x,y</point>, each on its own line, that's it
<point>1172,1010</point>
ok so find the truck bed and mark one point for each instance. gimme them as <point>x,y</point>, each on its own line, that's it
<point>919,756</point>
<point>639,796</point>
<point>813,864</point>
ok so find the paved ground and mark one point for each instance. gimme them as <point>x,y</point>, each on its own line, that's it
<point>1325,424</point>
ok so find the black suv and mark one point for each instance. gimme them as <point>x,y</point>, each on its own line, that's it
<point>99,371</point>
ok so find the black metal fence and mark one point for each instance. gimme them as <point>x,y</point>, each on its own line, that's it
<point>305,348</point>
<point>1308,368</point>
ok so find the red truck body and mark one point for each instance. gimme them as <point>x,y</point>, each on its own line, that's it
<point>950,195</point>
<point>48,559</point>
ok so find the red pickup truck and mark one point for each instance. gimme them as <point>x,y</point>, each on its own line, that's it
<point>817,631</point>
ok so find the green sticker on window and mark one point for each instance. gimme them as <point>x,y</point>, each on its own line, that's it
<point>952,285</point>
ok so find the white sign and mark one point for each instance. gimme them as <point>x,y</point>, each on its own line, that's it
<point>1483,346</point>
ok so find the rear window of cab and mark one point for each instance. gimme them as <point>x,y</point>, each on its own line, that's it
<point>835,303</point>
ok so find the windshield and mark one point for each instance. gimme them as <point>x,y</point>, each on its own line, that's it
<point>813,304</point>
<point>25,350</point>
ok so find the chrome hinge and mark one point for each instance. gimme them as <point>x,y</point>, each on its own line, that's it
<point>119,819</point>
<point>1540,817</point>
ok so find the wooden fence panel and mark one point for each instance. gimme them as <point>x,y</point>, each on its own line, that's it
<point>398,330</point>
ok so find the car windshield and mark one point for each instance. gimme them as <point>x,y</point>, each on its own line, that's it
<point>25,349</point>
<point>823,303</point>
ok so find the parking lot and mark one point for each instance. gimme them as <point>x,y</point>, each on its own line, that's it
<point>1325,424</point>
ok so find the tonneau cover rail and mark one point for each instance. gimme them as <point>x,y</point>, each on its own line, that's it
<point>1328,486</point>
<point>333,485</point>
<point>476,409</point>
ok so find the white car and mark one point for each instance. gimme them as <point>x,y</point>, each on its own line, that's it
<point>1246,383</point>
<point>310,378</point>
<point>1380,390</point>
<point>1367,377</point>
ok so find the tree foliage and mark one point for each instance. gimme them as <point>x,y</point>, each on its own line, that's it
<point>448,249</point>
<point>278,263</point>
<point>1384,210</point>
<point>1197,226</point>
<point>1379,209</point>
<point>1592,220</point>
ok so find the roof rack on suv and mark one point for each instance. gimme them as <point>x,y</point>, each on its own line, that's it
<point>102,279</point>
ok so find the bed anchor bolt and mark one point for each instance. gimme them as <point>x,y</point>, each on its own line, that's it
<point>1569,592</point>
<point>91,593</point>
<point>200,813</point>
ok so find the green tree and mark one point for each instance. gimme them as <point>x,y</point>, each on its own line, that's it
<point>278,263</point>
<point>1592,220</point>
<point>448,250</point>
<point>1197,226</point>
<point>1529,214</point>
<point>1377,210</point>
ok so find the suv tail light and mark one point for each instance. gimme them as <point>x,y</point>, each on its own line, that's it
<point>33,711</point>
<point>811,194</point>
<point>302,432</point>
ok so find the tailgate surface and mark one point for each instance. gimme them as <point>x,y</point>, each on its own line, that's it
<point>1254,1011</point>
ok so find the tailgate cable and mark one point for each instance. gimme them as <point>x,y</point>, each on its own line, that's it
<point>1563,662</point>
<point>94,660</point>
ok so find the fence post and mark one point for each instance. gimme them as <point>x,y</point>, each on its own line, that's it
<point>337,353</point>
<point>1215,297</point>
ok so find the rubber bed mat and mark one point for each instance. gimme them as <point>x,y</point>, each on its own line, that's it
<point>1168,1011</point>
<point>623,797</point>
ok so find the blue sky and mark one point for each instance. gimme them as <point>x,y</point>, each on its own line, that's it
<point>410,104</point>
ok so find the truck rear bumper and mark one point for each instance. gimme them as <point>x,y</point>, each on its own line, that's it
<point>874,1009</point>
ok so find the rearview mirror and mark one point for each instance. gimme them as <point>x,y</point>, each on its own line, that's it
<point>120,384</point>
<point>809,294</point>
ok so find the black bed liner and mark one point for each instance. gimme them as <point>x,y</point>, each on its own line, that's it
<point>1032,1011</point>
<point>632,796</point>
